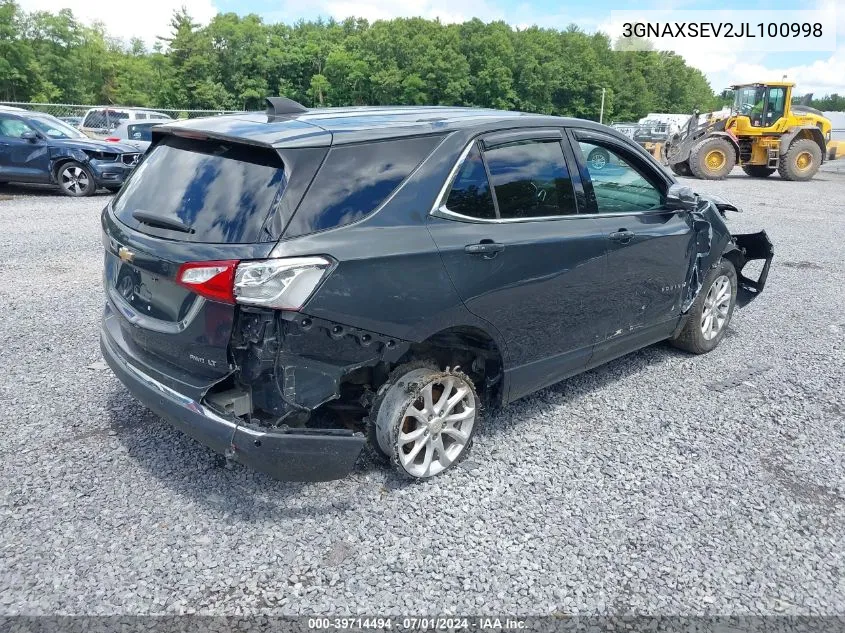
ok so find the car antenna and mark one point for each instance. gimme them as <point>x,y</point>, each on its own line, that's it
<point>282,106</point>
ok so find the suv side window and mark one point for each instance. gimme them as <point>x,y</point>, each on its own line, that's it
<point>530,179</point>
<point>140,116</point>
<point>13,128</point>
<point>617,185</point>
<point>470,194</point>
<point>140,132</point>
<point>355,179</point>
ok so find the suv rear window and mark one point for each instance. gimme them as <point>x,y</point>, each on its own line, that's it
<point>355,179</point>
<point>222,191</point>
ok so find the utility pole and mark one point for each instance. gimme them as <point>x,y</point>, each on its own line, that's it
<point>601,112</point>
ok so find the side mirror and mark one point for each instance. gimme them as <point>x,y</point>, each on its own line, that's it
<point>30,136</point>
<point>681,197</point>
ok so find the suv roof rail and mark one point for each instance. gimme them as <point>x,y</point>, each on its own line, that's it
<point>280,106</point>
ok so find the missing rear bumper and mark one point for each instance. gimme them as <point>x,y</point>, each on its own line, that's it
<point>287,454</point>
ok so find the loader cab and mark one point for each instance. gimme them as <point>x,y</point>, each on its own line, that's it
<point>764,104</point>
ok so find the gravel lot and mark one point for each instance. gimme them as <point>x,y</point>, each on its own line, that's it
<point>661,483</point>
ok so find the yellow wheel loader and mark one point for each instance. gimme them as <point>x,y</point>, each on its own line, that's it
<point>763,133</point>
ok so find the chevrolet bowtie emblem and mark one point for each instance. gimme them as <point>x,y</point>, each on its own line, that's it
<point>125,254</point>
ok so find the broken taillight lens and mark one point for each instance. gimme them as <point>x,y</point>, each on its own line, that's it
<point>283,284</point>
<point>212,280</point>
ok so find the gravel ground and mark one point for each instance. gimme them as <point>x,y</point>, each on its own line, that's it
<point>661,483</point>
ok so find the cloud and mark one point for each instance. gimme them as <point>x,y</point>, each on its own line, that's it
<point>823,76</point>
<point>147,21</point>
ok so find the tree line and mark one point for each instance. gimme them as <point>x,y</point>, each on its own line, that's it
<point>235,61</point>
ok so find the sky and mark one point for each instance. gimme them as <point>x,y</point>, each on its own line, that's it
<point>820,72</point>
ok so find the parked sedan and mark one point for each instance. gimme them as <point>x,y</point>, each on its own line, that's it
<point>137,134</point>
<point>288,287</point>
<point>40,149</point>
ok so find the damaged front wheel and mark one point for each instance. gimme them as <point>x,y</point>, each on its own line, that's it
<point>425,419</point>
<point>711,312</point>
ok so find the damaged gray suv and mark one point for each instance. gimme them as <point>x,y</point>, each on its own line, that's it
<point>288,287</point>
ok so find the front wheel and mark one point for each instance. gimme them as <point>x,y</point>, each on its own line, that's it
<point>75,179</point>
<point>710,314</point>
<point>424,419</point>
<point>713,158</point>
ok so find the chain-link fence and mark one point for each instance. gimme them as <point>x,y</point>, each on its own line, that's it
<point>97,120</point>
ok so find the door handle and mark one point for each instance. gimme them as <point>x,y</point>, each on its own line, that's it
<point>487,248</point>
<point>623,236</point>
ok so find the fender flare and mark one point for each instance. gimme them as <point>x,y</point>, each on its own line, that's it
<point>803,130</point>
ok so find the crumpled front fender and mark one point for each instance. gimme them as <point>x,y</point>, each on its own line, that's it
<point>714,241</point>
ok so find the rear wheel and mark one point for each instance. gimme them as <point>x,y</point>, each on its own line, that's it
<point>708,318</point>
<point>758,171</point>
<point>598,158</point>
<point>681,169</point>
<point>712,159</point>
<point>76,180</point>
<point>424,419</point>
<point>801,161</point>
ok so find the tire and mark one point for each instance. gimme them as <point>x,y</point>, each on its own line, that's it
<point>435,438</point>
<point>712,159</point>
<point>681,169</point>
<point>801,150</point>
<point>76,180</point>
<point>697,337</point>
<point>598,158</point>
<point>758,171</point>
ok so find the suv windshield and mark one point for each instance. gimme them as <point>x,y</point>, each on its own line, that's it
<point>53,128</point>
<point>221,192</point>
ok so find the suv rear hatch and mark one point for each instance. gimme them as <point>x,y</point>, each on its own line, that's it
<point>190,200</point>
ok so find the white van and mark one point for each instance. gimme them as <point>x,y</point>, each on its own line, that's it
<point>99,122</point>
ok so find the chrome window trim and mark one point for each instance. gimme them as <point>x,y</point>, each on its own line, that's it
<point>441,210</point>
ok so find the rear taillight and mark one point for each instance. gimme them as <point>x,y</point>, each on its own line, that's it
<point>113,139</point>
<point>212,280</point>
<point>283,284</point>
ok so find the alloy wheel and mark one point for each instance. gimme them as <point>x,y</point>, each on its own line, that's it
<point>436,427</point>
<point>717,305</point>
<point>75,180</point>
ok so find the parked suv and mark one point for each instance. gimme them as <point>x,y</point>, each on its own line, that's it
<point>39,148</point>
<point>99,122</point>
<point>138,135</point>
<point>289,287</point>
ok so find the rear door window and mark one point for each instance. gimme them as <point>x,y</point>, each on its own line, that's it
<point>470,193</point>
<point>355,180</point>
<point>530,179</point>
<point>221,192</point>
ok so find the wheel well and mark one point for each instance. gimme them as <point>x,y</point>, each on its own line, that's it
<point>812,133</point>
<point>471,349</point>
<point>57,165</point>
